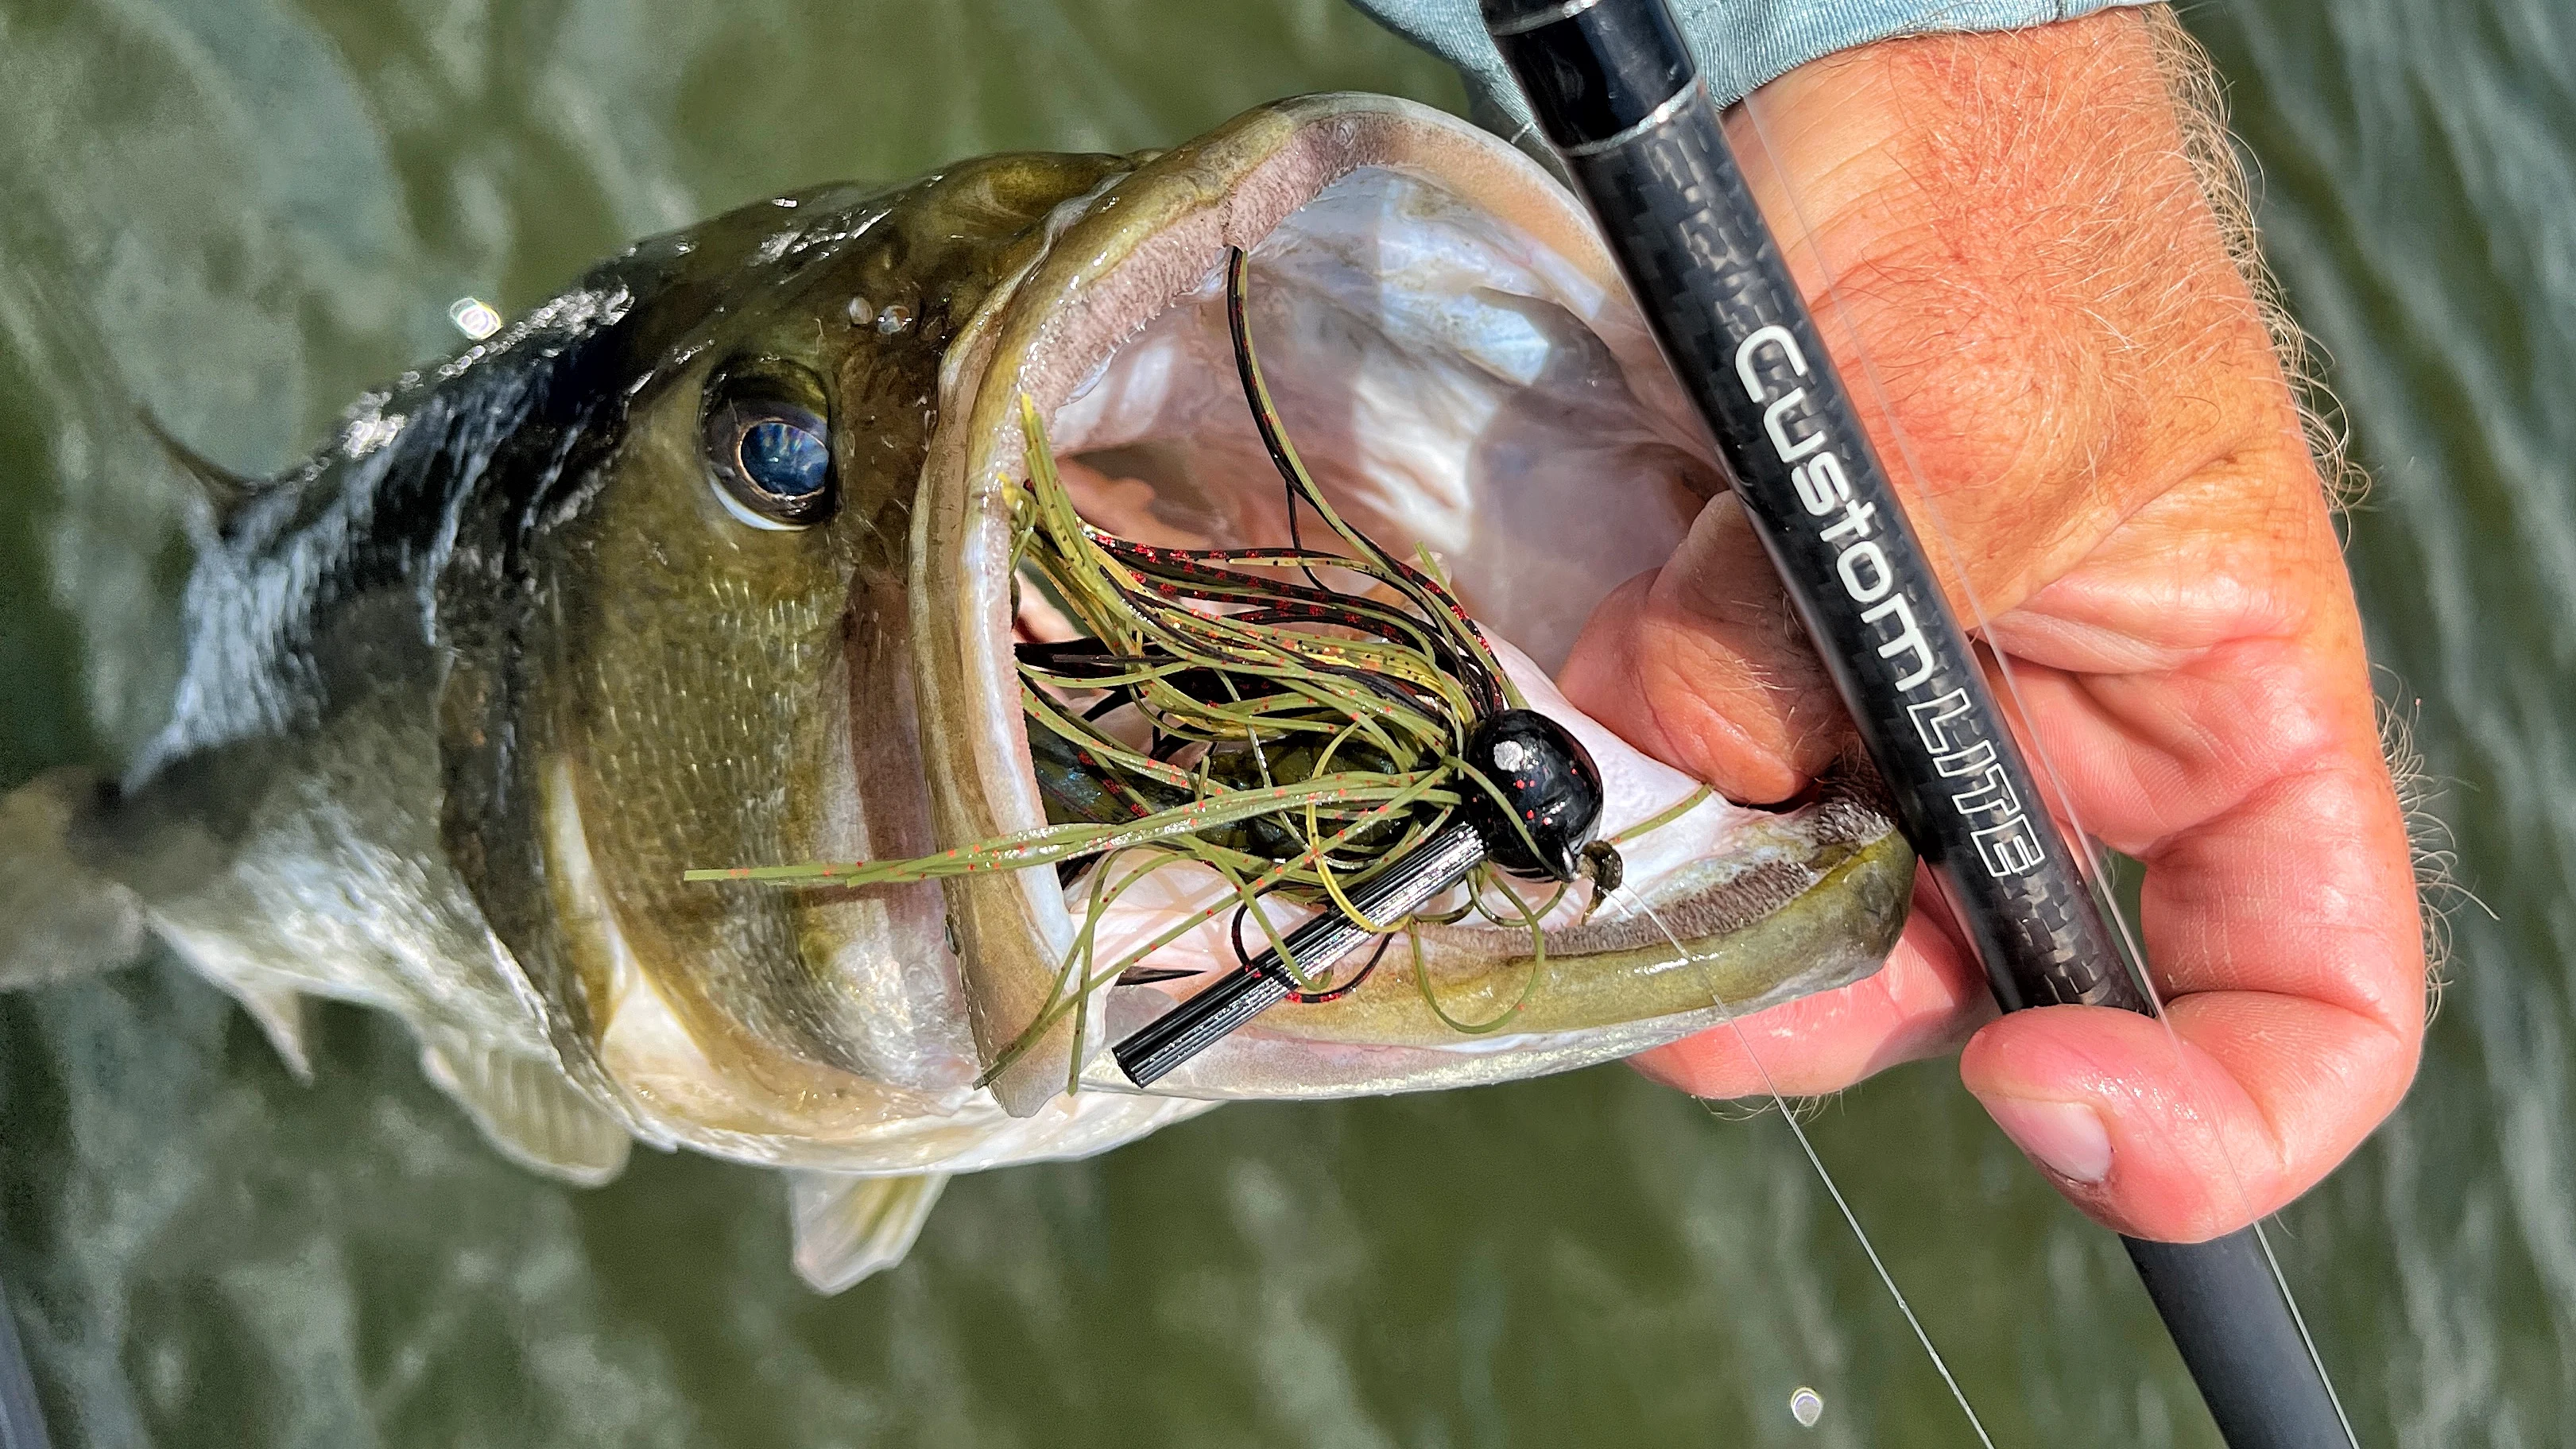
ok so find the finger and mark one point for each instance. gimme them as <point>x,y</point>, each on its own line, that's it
<point>2280,918</point>
<point>1922,1003</point>
<point>1703,665</point>
<point>2285,935</point>
<point>2194,1126</point>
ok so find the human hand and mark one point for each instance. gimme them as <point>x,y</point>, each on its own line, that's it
<point>2029,268</point>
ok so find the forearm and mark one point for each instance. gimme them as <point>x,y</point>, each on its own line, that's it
<point>1741,44</point>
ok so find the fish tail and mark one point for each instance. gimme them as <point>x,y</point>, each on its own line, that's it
<point>59,917</point>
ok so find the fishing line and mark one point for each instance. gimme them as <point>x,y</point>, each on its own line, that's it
<point>1927,513</point>
<point>2300,1317</point>
<point>1842,1204</point>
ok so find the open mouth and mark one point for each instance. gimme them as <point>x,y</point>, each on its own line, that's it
<point>1463,377</point>
<point>1442,388</point>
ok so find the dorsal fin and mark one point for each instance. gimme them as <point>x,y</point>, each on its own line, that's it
<point>225,490</point>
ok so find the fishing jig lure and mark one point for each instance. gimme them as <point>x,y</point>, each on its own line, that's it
<point>1355,752</point>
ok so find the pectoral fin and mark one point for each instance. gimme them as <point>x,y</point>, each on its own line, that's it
<point>849,1227</point>
<point>279,1010</point>
<point>529,1111</point>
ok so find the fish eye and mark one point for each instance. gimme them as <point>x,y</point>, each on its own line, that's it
<point>768,450</point>
<point>784,460</point>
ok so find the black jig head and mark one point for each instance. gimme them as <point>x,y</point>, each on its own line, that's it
<point>1550,794</point>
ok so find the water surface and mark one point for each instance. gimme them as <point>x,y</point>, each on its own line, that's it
<point>238,213</point>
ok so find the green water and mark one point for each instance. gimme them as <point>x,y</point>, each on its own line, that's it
<point>240,212</point>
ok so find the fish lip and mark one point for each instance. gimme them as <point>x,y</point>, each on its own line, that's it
<point>1267,1064</point>
<point>1145,245</point>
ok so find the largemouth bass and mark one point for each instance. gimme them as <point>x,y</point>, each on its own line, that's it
<point>708,561</point>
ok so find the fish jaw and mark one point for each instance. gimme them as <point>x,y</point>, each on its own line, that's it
<point>1726,911</point>
<point>1626,988</point>
<point>1536,355</point>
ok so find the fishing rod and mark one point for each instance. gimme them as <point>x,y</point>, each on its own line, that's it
<point>1616,91</point>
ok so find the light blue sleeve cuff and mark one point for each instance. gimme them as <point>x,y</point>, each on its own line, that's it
<point>1741,43</point>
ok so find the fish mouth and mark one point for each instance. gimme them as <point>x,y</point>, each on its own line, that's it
<point>1460,366</point>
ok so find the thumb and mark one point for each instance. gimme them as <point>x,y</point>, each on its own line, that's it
<point>1703,664</point>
